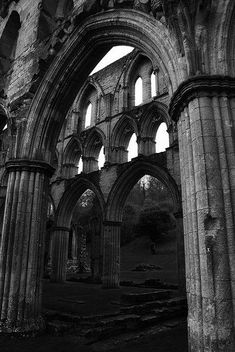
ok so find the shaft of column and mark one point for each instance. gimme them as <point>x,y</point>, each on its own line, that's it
<point>60,242</point>
<point>180,254</point>
<point>207,158</point>
<point>22,247</point>
<point>111,255</point>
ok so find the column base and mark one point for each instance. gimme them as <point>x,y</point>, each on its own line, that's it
<point>31,326</point>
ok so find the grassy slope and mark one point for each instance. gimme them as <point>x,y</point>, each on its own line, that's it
<point>138,251</point>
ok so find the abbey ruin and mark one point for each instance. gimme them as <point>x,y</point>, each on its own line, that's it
<point>56,116</point>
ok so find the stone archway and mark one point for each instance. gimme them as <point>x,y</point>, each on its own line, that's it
<point>29,173</point>
<point>204,109</point>
<point>128,177</point>
<point>63,219</point>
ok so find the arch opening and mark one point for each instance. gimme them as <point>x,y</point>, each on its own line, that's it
<point>153,85</point>
<point>81,210</point>
<point>149,234</point>
<point>151,44</point>
<point>138,91</point>
<point>132,147</point>
<point>88,115</point>
<point>162,138</point>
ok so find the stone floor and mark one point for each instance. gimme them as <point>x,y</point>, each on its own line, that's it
<point>89,300</point>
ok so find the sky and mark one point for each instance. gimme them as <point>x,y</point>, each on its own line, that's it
<point>113,55</point>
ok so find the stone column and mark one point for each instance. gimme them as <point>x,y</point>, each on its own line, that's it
<point>180,253</point>
<point>119,154</point>
<point>83,260</point>
<point>74,247</point>
<point>146,145</point>
<point>205,109</point>
<point>95,249</point>
<point>60,242</point>
<point>22,246</point>
<point>90,164</point>
<point>111,254</point>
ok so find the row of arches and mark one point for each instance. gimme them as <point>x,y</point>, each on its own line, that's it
<point>138,83</point>
<point>91,153</point>
<point>110,210</point>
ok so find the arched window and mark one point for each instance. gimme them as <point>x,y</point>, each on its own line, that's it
<point>153,85</point>
<point>80,165</point>
<point>101,158</point>
<point>88,115</point>
<point>162,138</point>
<point>132,148</point>
<point>138,91</point>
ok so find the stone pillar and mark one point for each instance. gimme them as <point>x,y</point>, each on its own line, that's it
<point>83,260</point>
<point>74,247</point>
<point>146,145</point>
<point>111,254</point>
<point>22,246</point>
<point>95,249</point>
<point>205,109</point>
<point>90,164</point>
<point>119,154</point>
<point>180,253</point>
<point>147,88</point>
<point>60,242</point>
<point>69,170</point>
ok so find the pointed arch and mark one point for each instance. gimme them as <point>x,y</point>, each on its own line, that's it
<point>71,196</point>
<point>50,105</point>
<point>129,177</point>
<point>72,155</point>
<point>93,142</point>
<point>72,151</point>
<point>123,130</point>
<point>152,117</point>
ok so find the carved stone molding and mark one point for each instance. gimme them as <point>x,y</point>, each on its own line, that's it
<point>199,86</point>
<point>30,165</point>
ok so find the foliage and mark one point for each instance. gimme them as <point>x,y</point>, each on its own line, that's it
<point>155,223</point>
<point>148,211</point>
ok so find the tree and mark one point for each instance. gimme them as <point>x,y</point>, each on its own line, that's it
<point>155,223</point>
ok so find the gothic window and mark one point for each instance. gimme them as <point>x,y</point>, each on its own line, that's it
<point>162,138</point>
<point>101,158</point>
<point>132,148</point>
<point>88,115</point>
<point>80,165</point>
<point>138,91</point>
<point>153,85</point>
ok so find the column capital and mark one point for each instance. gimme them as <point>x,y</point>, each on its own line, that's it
<point>29,165</point>
<point>199,86</point>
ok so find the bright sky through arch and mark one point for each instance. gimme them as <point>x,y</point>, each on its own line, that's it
<point>112,55</point>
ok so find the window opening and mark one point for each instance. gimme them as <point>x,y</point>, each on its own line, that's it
<point>162,138</point>
<point>138,91</point>
<point>88,115</point>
